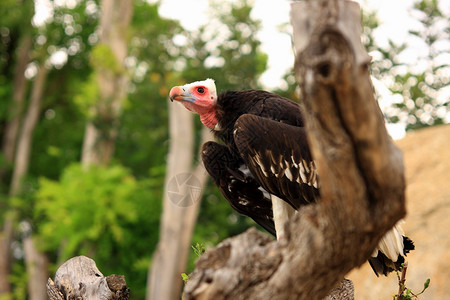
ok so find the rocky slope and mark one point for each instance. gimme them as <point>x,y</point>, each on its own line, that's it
<point>427,161</point>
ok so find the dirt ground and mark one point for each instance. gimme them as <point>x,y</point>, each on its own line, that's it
<point>427,161</point>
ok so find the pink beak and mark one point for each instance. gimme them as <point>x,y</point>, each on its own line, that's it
<point>176,93</point>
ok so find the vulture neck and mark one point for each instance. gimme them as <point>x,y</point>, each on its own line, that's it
<point>209,118</point>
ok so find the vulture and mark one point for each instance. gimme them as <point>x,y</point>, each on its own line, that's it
<point>263,165</point>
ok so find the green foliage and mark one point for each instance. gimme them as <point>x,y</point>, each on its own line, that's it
<point>104,213</point>
<point>11,15</point>
<point>59,134</point>
<point>19,279</point>
<point>13,29</point>
<point>369,22</point>
<point>58,138</point>
<point>90,204</point>
<point>290,87</point>
<point>152,44</point>
<point>419,86</point>
<point>102,57</point>
<point>132,256</point>
<point>226,49</point>
<point>142,141</point>
<point>88,94</point>
<point>110,214</point>
<point>199,249</point>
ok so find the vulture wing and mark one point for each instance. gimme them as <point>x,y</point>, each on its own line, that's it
<point>277,154</point>
<point>242,191</point>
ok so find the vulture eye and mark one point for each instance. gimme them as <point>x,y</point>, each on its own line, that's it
<point>200,90</point>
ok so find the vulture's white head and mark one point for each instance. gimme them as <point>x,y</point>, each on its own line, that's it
<point>199,97</point>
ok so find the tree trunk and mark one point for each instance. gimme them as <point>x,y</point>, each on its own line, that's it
<point>22,158</point>
<point>37,270</point>
<point>16,108</point>
<point>101,132</point>
<point>183,190</point>
<point>37,275</point>
<point>361,170</point>
<point>21,162</point>
<point>5,255</point>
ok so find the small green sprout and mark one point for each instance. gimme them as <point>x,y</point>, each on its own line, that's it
<point>405,293</point>
<point>199,249</point>
<point>185,277</point>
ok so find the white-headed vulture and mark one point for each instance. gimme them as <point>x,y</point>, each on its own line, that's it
<point>263,166</point>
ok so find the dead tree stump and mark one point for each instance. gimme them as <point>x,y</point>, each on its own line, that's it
<point>79,278</point>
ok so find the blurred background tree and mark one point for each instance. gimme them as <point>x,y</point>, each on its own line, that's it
<point>420,84</point>
<point>416,86</point>
<point>49,92</point>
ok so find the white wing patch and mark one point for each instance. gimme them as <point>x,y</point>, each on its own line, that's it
<point>306,170</point>
<point>391,244</point>
<point>265,193</point>
<point>244,169</point>
<point>293,161</point>
<point>272,168</point>
<point>288,174</point>
<point>302,173</point>
<point>257,158</point>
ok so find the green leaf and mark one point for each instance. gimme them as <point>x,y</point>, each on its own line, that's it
<point>426,284</point>
<point>185,277</point>
<point>199,249</point>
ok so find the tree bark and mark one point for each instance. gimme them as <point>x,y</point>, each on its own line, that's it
<point>361,171</point>
<point>5,254</point>
<point>79,278</point>
<point>16,108</point>
<point>38,275</point>
<point>101,131</point>
<point>180,207</point>
<point>22,158</point>
<point>37,269</point>
<point>21,162</point>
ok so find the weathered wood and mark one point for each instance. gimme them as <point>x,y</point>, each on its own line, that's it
<point>345,291</point>
<point>251,253</point>
<point>361,171</point>
<point>79,278</point>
